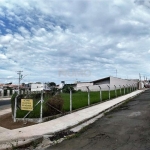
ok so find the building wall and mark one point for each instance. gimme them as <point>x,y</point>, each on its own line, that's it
<point>107,81</point>
<point>80,84</point>
<point>117,81</point>
<point>113,81</point>
<point>104,87</point>
<point>83,85</point>
<point>39,87</point>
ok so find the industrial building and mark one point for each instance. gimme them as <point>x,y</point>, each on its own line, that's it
<point>105,83</point>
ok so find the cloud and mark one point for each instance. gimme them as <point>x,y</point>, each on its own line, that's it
<point>97,35</point>
<point>6,39</point>
<point>2,56</point>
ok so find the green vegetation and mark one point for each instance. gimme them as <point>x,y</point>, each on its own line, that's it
<point>80,99</point>
<point>52,105</point>
<point>55,104</point>
<point>66,89</point>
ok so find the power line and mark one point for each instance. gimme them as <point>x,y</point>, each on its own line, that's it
<point>9,78</point>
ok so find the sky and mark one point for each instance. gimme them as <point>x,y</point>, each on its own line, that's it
<point>74,40</point>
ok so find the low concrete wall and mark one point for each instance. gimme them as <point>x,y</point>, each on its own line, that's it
<point>8,93</point>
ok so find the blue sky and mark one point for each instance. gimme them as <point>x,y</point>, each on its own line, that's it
<point>74,40</point>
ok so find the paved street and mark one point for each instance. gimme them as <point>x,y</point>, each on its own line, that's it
<point>126,128</point>
<point>4,103</point>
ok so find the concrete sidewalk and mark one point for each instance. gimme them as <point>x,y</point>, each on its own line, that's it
<point>3,129</point>
<point>5,98</point>
<point>24,135</point>
<point>5,107</point>
<point>5,110</point>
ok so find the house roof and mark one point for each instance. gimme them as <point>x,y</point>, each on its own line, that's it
<point>107,78</point>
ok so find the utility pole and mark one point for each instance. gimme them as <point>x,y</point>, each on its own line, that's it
<point>140,76</point>
<point>116,72</point>
<point>15,107</point>
<point>20,77</point>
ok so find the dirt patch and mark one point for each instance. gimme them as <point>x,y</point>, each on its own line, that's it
<point>6,121</point>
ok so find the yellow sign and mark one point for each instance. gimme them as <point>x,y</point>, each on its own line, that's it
<point>27,104</point>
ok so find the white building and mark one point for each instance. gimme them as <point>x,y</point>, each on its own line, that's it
<point>61,85</point>
<point>39,87</point>
<point>103,83</point>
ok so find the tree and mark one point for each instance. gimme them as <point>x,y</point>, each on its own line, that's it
<point>52,86</point>
<point>66,88</point>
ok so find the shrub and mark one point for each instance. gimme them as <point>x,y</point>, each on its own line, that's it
<point>53,106</point>
<point>50,102</point>
<point>13,102</point>
<point>18,101</point>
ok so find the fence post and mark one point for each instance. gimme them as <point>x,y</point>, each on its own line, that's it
<point>70,100</point>
<point>2,93</point>
<point>135,86</point>
<point>127,88</point>
<point>109,91</point>
<point>115,91</point>
<point>15,108</point>
<point>132,87</point>
<point>41,111</point>
<point>88,95</point>
<point>100,92</point>
<point>8,93</point>
<point>120,90</point>
<point>124,90</point>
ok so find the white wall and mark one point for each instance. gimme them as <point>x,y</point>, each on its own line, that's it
<point>61,85</point>
<point>104,87</point>
<point>113,81</point>
<point>38,87</point>
<point>82,85</point>
<point>121,82</point>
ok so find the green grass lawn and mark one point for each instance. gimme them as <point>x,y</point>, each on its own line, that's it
<point>80,99</point>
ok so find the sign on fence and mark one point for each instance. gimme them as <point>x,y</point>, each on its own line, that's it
<point>27,104</point>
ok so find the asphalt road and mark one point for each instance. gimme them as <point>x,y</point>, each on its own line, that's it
<point>125,128</point>
<point>4,102</point>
